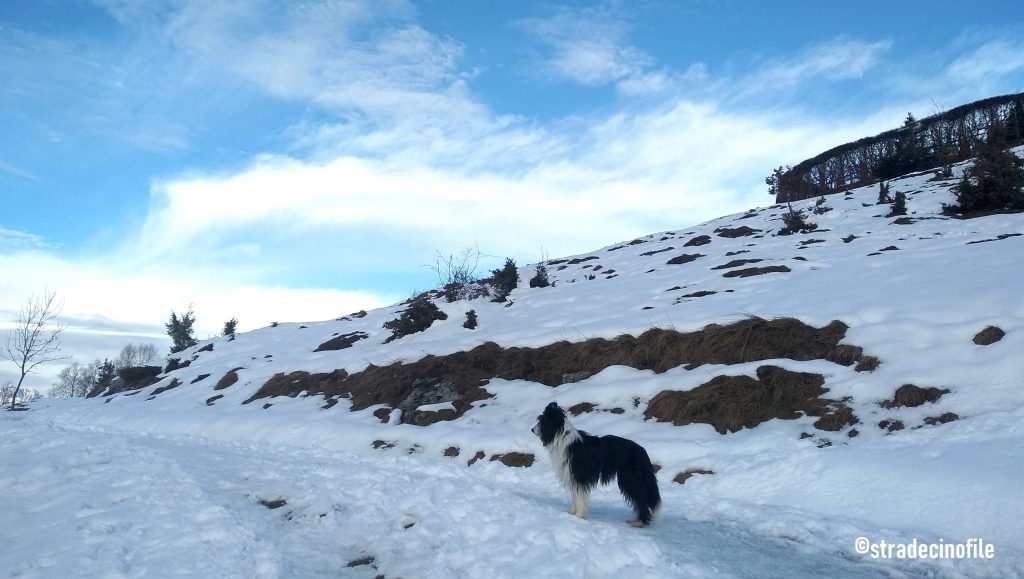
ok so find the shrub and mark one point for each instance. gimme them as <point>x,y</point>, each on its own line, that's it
<point>795,222</point>
<point>899,204</point>
<point>457,275</point>
<point>419,316</point>
<point>470,323</point>
<point>504,280</point>
<point>541,277</point>
<point>821,207</point>
<point>883,193</point>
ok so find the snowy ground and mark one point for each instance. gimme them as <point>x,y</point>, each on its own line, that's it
<point>95,502</point>
<point>171,483</point>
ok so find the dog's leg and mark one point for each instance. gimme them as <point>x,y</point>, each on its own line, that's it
<point>579,503</point>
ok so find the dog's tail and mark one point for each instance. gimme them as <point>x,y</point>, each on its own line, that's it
<point>640,488</point>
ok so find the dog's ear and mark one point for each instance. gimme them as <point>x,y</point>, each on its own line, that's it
<point>553,405</point>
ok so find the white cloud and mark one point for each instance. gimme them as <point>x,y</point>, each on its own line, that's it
<point>840,59</point>
<point>587,46</point>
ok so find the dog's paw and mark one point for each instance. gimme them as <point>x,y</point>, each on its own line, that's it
<point>636,523</point>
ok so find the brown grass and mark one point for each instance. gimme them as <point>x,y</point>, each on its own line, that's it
<point>748,340</point>
<point>909,395</point>
<point>731,403</point>
<point>514,459</point>
<point>684,476</point>
<point>227,379</point>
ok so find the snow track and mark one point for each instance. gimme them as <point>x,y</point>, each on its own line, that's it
<point>101,503</point>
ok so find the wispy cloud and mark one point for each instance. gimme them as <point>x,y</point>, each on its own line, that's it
<point>840,59</point>
<point>18,171</point>
<point>588,46</point>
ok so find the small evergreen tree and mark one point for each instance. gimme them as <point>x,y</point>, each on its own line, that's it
<point>504,280</point>
<point>229,328</point>
<point>180,330</point>
<point>899,204</point>
<point>995,181</point>
<point>883,193</point>
<point>795,222</point>
<point>104,376</point>
<point>540,279</point>
<point>471,321</point>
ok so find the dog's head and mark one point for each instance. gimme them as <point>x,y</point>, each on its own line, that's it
<point>550,424</point>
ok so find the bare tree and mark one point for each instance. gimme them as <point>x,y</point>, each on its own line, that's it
<point>74,380</point>
<point>35,338</point>
<point>134,355</point>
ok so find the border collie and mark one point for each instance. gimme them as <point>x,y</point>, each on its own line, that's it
<point>582,461</point>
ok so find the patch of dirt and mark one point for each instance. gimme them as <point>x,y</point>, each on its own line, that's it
<point>698,241</point>
<point>867,364</point>
<point>736,263</point>
<point>891,425</point>
<point>580,260</point>
<point>685,258</point>
<point>362,561</point>
<point>212,399</point>
<point>731,403</point>
<point>383,414</point>
<point>451,451</point>
<point>227,379</point>
<point>650,253</point>
<point>341,342</point>
<point>383,444</point>
<point>273,503</point>
<point>200,378</point>
<point>700,294</point>
<point>684,476</point>
<point>989,336</point>
<point>460,375</point>
<point>206,348</point>
<point>941,419</point>
<point>514,459</point>
<point>478,456</point>
<point>733,233</point>
<point>174,384</point>
<point>998,238</point>
<point>910,396</point>
<point>752,271</point>
<point>581,408</point>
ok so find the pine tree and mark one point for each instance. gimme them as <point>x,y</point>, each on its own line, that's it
<point>229,328</point>
<point>504,280</point>
<point>995,182</point>
<point>899,204</point>
<point>180,330</point>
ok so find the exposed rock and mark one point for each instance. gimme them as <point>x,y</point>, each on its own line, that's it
<point>989,336</point>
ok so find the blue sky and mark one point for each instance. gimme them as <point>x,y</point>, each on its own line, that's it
<point>302,160</point>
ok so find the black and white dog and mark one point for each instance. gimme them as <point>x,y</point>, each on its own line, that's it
<point>582,460</point>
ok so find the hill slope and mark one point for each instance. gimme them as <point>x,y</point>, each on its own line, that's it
<point>777,365</point>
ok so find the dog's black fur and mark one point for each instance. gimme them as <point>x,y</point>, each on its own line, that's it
<point>583,460</point>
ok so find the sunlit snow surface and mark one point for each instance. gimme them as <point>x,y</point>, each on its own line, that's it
<point>170,486</point>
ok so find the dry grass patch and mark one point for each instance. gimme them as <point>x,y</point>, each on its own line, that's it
<point>731,403</point>
<point>458,378</point>
<point>911,396</point>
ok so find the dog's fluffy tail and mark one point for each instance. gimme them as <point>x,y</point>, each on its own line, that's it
<point>640,488</point>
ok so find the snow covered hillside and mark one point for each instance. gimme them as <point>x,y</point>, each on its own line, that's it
<point>797,392</point>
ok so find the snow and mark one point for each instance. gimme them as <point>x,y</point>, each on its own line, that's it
<point>137,485</point>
